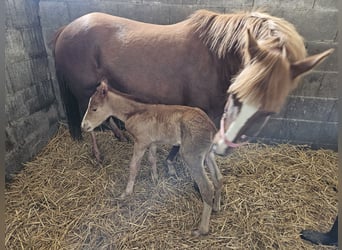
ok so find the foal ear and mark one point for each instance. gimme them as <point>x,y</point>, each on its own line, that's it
<point>253,47</point>
<point>103,88</point>
<point>303,66</point>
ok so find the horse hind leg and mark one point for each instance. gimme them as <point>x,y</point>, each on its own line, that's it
<point>96,150</point>
<point>217,179</point>
<point>153,160</point>
<point>170,159</point>
<point>117,132</point>
<point>196,169</point>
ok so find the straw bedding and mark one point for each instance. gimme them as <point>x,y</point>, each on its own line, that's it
<point>64,200</point>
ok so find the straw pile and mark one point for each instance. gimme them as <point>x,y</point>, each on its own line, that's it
<point>64,200</point>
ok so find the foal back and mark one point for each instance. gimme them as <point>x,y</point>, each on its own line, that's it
<point>172,124</point>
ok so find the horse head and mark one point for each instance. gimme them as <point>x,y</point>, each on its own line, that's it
<point>98,110</point>
<point>259,90</point>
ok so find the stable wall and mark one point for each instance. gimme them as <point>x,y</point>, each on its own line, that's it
<point>32,95</point>
<point>31,107</point>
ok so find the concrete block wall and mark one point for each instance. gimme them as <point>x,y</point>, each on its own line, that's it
<point>31,108</point>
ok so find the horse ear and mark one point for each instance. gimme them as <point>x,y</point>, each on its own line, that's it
<point>283,51</point>
<point>303,66</point>
<point>253,47</point>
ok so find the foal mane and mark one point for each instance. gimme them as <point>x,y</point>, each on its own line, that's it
<point>260,80</point>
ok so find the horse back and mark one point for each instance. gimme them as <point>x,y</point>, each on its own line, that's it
<point>139,58</point>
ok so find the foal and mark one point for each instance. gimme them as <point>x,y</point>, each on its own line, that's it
<point>169,124</point>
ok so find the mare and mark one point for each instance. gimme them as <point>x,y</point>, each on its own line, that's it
<point>257,57</point>
<point>152,124</point>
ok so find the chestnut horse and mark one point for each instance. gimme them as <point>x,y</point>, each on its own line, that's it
<point>192,63</point>
<point>150,125</point>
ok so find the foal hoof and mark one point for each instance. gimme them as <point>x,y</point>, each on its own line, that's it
<point>122,196</point>
<point>198,233</point>
<point>98,157</point>
<point>171,168</point>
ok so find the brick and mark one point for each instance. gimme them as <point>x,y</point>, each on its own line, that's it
<point>165,1</point>
<point>310,109</point>
<point>326,4</point>
<point>226,3</point>
<point>34,42</point>
<point>313,24</point>
<point>286,130</point>
<point>15,106</point>
<point>77,9</point>
<point>318,84</point>
<point>179,13</point>
<point>25,73</point>
<point>14,46</point>
<point>149,13</point>
<point>19,74</point>
<point>53,14</point>
<point>331,62</point>
<point>22,13</point>
<point>289,4</point>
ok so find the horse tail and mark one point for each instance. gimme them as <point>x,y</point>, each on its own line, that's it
<point>52,42</point>
<point>71,107</point>
<point>69,101</point>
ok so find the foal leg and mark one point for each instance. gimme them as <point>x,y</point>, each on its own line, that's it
<point>117,132</point>
<point>134,166</point>
<point>216,178</point>
<point>153,160</point>
<point>170,158</point>
<point>196,169</point>
<point>96,150</point>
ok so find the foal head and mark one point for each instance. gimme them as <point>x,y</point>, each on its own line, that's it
<point>259,90</point>
<point>98,109</point>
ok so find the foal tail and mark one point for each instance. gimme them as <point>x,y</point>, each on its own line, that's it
<point>71,107</point>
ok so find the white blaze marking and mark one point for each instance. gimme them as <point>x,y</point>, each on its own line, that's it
<point>247,111</point>
<point>82,124</point>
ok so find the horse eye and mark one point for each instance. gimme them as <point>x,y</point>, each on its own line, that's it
<point>94,109</point>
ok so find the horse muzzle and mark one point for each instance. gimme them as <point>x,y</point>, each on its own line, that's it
<point>222,146</point>
<point>86,126</point>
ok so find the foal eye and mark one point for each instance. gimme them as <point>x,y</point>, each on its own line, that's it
<point>94,109</point>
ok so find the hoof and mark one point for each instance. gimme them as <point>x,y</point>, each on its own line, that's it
<point>123,196</point>
<point>98,157</point>
<point>318,238</point>
<point>122,139</point>
<point>198,233</point>
<point>215,209</point>
<point>171,168</point>
<point>155,178</point>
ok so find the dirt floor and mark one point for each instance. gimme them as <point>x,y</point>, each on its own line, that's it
<point>63,199</point>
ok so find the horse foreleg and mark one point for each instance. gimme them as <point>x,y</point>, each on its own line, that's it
<point>217,179</point>
<point>153,160</point>
<point>134,168</point>
<point>117,132</point>
<point>170,158</point>
<point>96,150</point>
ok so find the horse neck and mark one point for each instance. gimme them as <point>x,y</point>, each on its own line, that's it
<point>122,106</point>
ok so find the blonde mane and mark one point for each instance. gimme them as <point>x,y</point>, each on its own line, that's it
<point>260,81</point>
